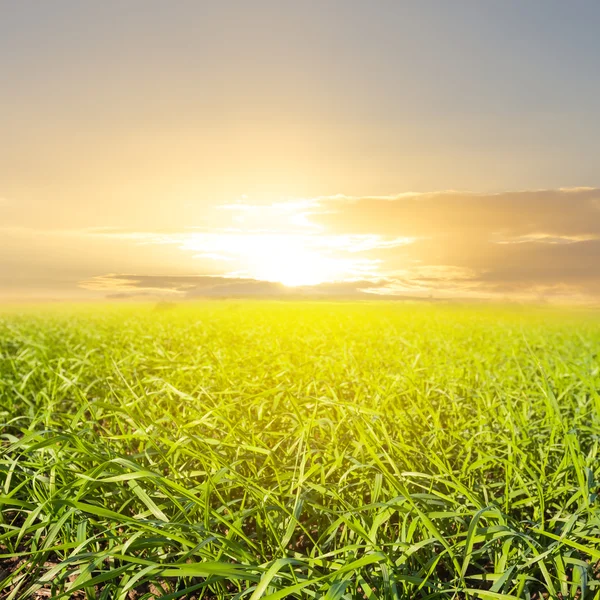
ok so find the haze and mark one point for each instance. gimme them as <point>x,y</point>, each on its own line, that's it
<point>331,148</point>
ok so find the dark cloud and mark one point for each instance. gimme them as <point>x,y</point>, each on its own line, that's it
<point>523,243</point>
<point>126,286</point>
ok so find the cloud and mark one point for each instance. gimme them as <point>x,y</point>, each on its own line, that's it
<point>185,286</point>
<point>524,243</point>
<point>450,244</point>
<point>558,212</point>
<point>280,255</point>
<point>125,285</point>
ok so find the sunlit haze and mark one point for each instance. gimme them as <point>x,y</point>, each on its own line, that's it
<point>325,148</point>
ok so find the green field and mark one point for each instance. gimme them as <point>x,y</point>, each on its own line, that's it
<point>299,450</point>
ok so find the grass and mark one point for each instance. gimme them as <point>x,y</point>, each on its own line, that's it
<point>299,450</point>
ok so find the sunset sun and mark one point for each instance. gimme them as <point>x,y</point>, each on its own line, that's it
<point>295,266</point>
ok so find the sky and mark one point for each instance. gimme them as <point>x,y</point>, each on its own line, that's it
<point>275,148</point>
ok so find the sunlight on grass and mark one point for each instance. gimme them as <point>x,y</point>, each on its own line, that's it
<point>282,450</point>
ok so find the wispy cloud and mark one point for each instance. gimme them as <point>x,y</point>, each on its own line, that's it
<point>290,257</point>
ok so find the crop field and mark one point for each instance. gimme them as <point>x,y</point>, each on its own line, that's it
<point>243,449</point>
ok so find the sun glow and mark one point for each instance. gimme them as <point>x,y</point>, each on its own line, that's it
<point>293,260</point>
<point>293,265</point>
